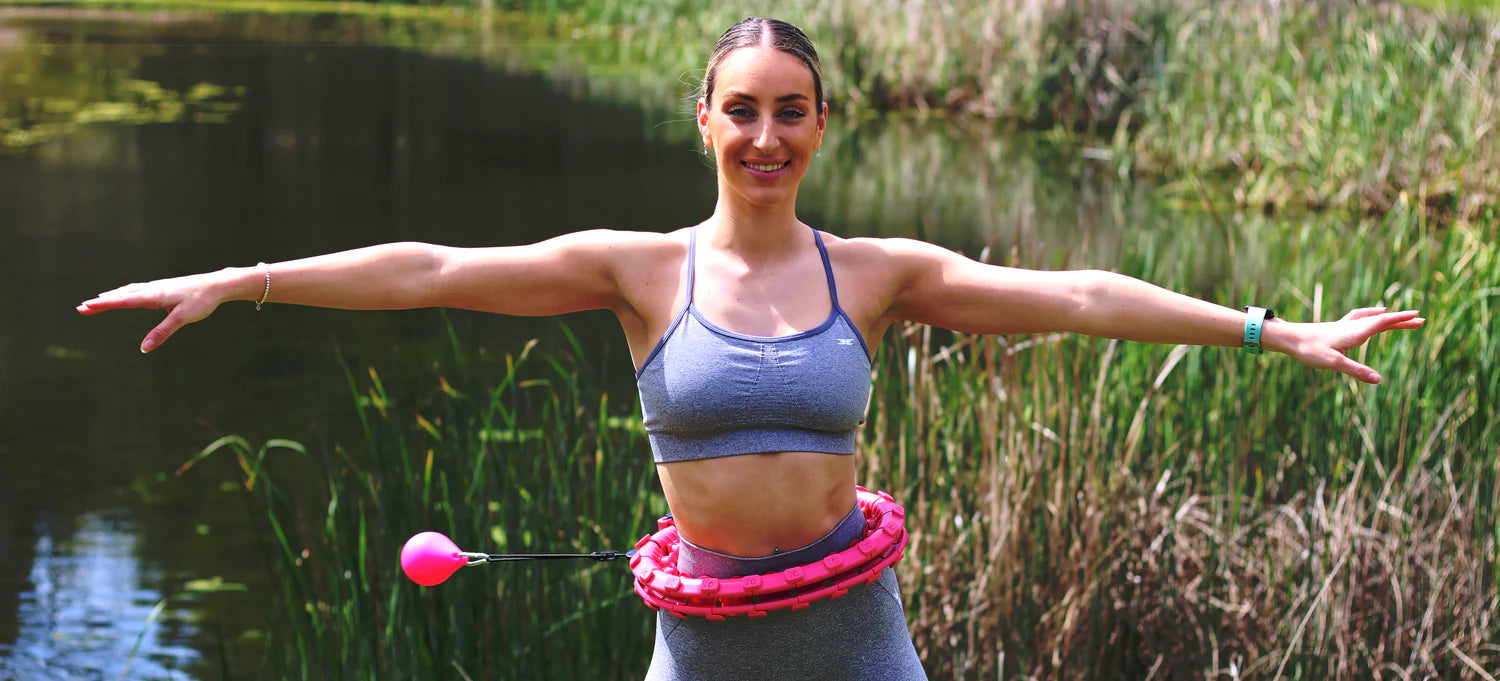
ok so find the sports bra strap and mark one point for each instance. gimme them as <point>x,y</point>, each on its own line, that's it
<point>833,289</point>
<point>692,247</point>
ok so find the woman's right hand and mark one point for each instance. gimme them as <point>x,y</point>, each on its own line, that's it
<point>185,300</point>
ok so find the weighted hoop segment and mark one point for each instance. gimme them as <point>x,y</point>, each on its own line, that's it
<point>662,587</point>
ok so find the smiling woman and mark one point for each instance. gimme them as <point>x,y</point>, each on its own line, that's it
<point>751,334</point>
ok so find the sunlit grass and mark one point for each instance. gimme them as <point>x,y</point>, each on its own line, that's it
<point>1090,509</point>
<point>1286,105</point>
<point>369,9</point>
<point>1485,7</point>
<point>517,460</point>
<point>1290,104</point>
<point>1080,508</point>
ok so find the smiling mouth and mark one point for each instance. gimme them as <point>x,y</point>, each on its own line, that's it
<point>766,168</point>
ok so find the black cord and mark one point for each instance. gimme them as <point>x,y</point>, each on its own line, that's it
<point>600,556</point>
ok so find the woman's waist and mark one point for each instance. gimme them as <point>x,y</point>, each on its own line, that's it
<point>759,505</point>
<point>698,561</point>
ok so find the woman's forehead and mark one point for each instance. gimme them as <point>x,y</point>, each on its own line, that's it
<point>758,71</point>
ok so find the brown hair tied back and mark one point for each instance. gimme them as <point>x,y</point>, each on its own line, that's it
<point>761,32</point>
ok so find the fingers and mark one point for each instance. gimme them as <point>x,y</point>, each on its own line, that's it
<point>1379,320</point>
<point>162,332</point>
<point>1343,364</point>
<point>131,296</point>
<point>97,305</point>
<point>1362,312</point>
<point>1325,344</point>
<point>1405,319</point>
<point>1379,310</point>
<point>1375,320</point>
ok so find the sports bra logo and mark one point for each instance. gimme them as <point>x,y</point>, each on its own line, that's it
<point>846,341</point>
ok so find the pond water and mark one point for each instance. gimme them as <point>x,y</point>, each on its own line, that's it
<point>142,145</point>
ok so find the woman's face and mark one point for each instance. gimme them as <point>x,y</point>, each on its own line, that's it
<point>763,124</point>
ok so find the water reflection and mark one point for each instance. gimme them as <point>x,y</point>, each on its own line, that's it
<point>88,602</point>
<point>334,147</point>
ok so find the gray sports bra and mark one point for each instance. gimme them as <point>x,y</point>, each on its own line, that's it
<point>708,392</point>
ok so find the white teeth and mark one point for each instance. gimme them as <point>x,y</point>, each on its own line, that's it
<point>766,169</point>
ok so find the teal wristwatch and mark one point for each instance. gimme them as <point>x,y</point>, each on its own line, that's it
<point>1257,318</point>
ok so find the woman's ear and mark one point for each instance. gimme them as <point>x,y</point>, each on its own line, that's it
<point>703,122</point>
<point>822,120</point>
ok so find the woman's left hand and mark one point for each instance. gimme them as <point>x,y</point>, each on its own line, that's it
<point>1322,345</point>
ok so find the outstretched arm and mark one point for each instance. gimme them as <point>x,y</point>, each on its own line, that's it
<point>945,289</point>
<point>566,274</point>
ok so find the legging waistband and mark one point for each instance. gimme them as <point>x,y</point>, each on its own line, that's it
<point>700,562</point>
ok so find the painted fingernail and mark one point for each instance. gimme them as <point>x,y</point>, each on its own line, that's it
<point>147,346</point>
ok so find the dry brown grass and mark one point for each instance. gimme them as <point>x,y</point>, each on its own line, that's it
<point>1047,553</point>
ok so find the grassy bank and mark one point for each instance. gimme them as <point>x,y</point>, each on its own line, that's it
<point>1079,508</point>
<point>1093,509</point>
<point>1286,105</point>
<point>508,457</point>
<point>1290,104</point>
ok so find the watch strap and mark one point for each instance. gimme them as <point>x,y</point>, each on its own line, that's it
<point>1255,321</point>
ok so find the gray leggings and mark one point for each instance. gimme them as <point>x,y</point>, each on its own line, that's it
<point>859,636</point>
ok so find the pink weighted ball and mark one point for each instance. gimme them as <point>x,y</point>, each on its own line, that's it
<point>430,557</point>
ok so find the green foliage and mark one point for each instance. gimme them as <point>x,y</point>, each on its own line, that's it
<point>516,458</point>
<point>1079,508</point>
<point>45,111</point>
<point>1084,508</point>
<point>1301,103</point>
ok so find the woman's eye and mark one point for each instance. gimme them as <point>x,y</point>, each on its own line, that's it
<point>793,113</point>
<point>741,112</point>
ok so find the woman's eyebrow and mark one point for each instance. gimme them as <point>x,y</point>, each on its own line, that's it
<point>751,98</point>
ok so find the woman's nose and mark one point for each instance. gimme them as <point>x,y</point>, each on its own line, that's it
<point>766,139</point>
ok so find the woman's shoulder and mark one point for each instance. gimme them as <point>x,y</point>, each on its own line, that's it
<point>877,252</point>
<point>636,254</point>
<point>627,238</point>
<point>631,244</point>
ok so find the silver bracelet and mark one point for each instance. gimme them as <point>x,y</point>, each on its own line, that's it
<point>267,294</point>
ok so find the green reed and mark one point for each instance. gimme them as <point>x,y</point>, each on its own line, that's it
<point>1302,103</point>
<point>1079,508</point>
<point>507,457</point>
<point>1291,104</point>
<point>1090,509</point>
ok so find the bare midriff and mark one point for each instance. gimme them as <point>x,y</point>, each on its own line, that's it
<point>754,505</point>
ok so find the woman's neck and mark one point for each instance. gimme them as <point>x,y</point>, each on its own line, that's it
<point>754,232</point>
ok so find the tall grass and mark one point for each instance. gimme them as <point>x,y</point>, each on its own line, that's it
<point>1091,509</point>
<point>1302,103</point>
<point>518,458</point>
<point>1079,508</point>
<point>1299,103</point>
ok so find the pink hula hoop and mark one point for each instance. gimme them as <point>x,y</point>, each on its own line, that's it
<point>662,587</point>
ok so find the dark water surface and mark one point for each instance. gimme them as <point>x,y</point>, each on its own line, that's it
<point>177,144</point>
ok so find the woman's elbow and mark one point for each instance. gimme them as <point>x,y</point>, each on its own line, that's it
<point>1089,300</point>
<point>431,269</point>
